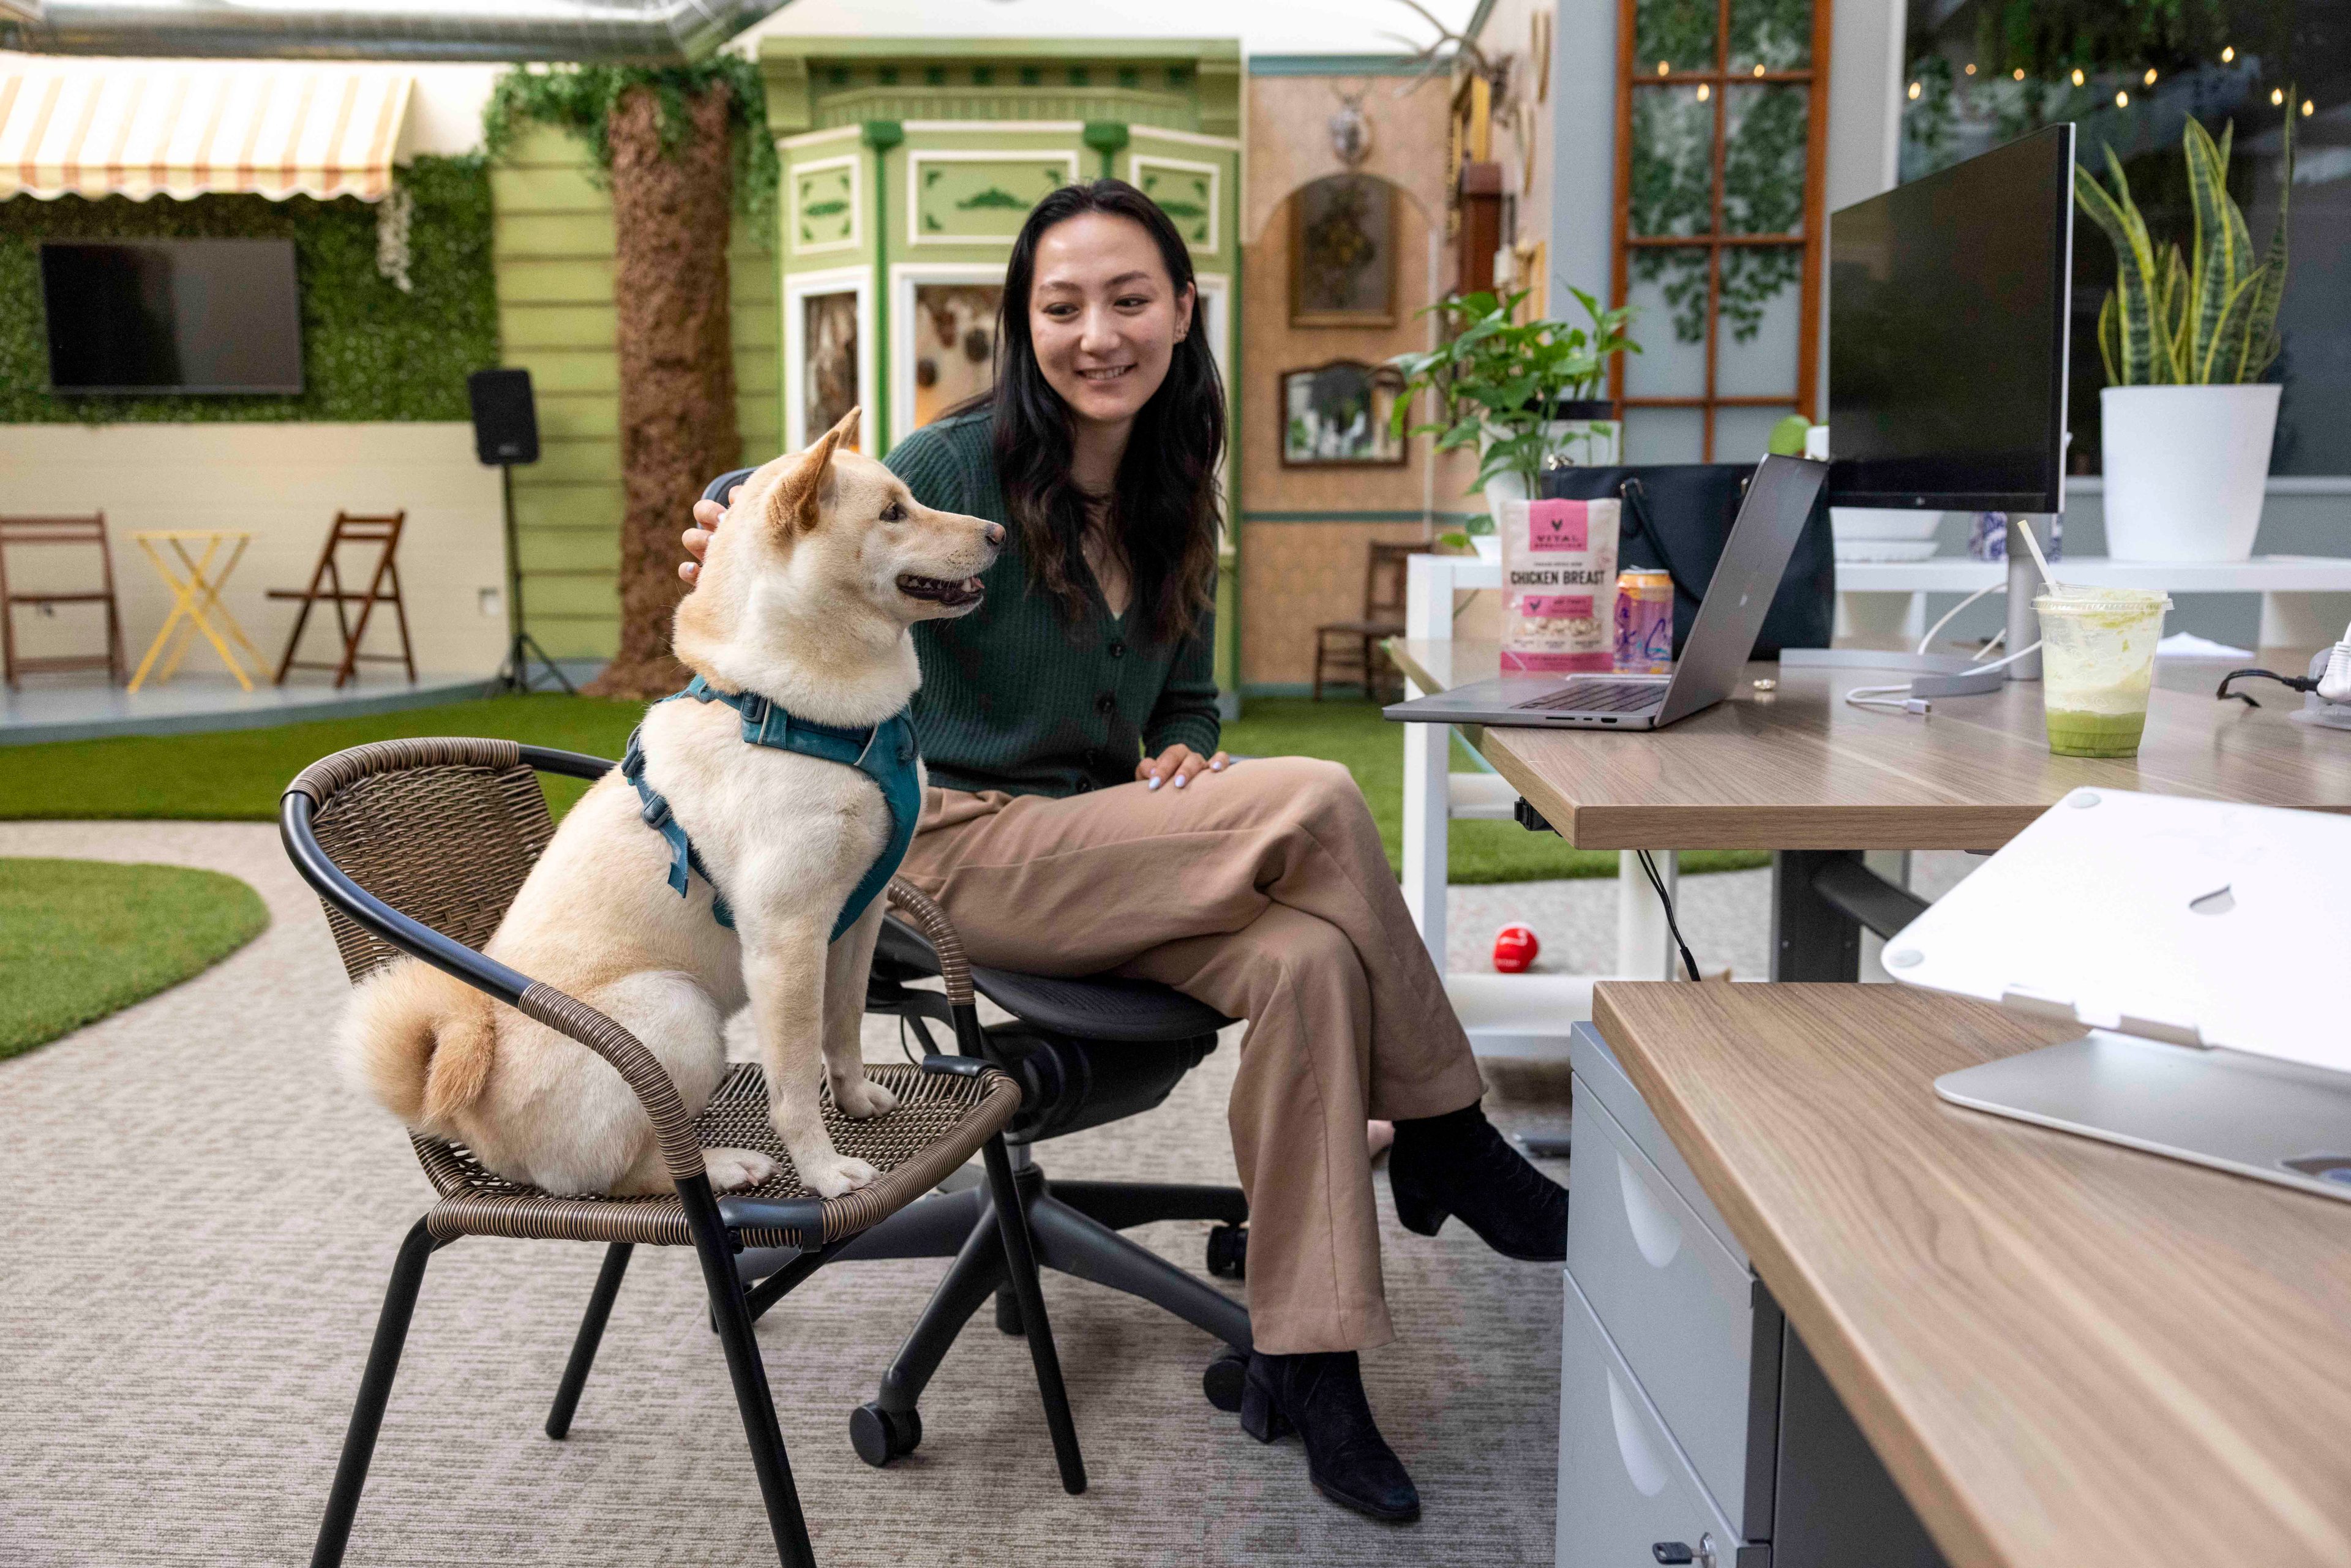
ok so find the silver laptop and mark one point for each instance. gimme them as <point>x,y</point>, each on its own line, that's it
<point>1770,522</point>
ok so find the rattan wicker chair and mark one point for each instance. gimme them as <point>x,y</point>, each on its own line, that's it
<point>418,847</point>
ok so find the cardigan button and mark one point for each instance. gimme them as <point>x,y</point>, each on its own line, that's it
<point>1107,703</point>
<point>1118,649</point>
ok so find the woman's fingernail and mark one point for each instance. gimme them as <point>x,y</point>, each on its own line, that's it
<point>1216,766</point>
<point>1154,782</point>
<point>1180,780</point>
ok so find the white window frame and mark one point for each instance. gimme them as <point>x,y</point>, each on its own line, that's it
<point>903,277</point>
<point>797,286</point>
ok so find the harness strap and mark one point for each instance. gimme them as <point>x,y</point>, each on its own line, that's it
<point>885,753</point>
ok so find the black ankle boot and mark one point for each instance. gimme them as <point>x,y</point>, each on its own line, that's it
<point>1321,1397</point>
<point>1458,1164</point>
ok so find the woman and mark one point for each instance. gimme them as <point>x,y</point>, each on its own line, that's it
<point>1080,818</point>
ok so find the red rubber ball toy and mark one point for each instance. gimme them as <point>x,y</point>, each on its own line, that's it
<point>1515,947</point>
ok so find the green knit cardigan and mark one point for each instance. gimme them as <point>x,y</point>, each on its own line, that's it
<point>1014,697</point>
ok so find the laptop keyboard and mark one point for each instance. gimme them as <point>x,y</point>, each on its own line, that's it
<point>1599,697</point>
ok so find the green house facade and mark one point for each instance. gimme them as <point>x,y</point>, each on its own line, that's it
<point>908,165</point>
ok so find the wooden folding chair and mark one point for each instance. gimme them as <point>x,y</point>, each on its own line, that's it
<point>89,530</point>
<point>327,583</point>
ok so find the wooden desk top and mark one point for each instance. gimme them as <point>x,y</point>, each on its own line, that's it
<point>1800,768</point>
<point>2067,1353</point>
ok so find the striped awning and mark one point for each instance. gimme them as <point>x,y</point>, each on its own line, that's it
<point>187,129</point>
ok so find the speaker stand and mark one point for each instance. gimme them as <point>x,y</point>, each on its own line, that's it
<point>514,677</point>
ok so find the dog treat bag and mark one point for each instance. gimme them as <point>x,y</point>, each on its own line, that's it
<point>1559,585</point>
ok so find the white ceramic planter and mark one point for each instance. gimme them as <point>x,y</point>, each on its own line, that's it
<point>2185,469</point>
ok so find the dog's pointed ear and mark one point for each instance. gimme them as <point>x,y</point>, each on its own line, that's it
<point>792,504</point>
<point>846,429</point>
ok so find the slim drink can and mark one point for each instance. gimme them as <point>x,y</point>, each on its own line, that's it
<point>1644,621</point>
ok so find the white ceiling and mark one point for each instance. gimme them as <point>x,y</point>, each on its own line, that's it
<point>1263,27</point>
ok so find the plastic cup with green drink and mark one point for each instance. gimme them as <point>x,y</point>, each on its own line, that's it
<point>2097,661</point>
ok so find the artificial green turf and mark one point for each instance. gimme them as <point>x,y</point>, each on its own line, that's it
<point>239,774</point>
<point>80,939</point>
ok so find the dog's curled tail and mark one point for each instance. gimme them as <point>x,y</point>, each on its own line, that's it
<point>420,1042</point>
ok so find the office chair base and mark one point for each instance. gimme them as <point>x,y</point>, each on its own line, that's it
<point>1075,1227</point>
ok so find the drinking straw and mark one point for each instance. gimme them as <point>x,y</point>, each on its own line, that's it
<point>2038,559</point>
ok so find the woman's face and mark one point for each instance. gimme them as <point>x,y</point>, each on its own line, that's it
<point>1104,316</point>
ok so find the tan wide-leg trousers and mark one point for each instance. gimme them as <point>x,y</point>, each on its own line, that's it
<point>1263,891</point>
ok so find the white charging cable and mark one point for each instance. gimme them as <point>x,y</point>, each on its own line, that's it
<point>1900,698</point>
<point>2001,587</point>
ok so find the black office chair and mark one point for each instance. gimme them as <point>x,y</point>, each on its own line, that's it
<point>1085,1051</point>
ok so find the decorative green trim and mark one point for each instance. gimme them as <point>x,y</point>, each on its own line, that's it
<point>882,135</point>
<point>1336,65</point>
<point>1106,137</point>
<point>368,351</point>
<point>999,49</point>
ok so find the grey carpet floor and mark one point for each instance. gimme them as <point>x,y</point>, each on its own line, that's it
<point>198,1222</point>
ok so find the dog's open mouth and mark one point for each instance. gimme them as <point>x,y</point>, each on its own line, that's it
<point>938,590</point>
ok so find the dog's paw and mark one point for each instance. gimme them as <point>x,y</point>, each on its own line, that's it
<point>863,1098</point>
<point>730,1170</point>
<point>830,1174</point>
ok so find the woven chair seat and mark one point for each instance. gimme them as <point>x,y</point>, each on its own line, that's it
<point>940,1122</point>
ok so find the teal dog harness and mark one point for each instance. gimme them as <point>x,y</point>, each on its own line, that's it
<point>885,753</point>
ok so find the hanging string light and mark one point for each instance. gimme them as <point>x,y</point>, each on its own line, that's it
<point>2227,54</point>
<point>1914,91</point>
<point>2277,96</point>
<point>2122,100</point>
<point>2150,76</point>
<point>1971,67</point>
<point>2017,73</point>
<point>2306,107</point>
<point>2078,78</point>
<point>1704,92</point>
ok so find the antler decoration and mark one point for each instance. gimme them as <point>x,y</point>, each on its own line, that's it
<point>1466,51</point>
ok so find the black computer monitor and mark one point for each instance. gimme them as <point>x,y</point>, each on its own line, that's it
<point>1948,322</point>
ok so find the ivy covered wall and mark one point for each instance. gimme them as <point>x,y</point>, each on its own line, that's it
<point>368,351</point>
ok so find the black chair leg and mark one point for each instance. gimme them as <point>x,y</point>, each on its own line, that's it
<point>1021,1261</point>
<point>375,1392</point>
<point>732,1318</point>
<point>971,1279</point>
<point>591,1334</point>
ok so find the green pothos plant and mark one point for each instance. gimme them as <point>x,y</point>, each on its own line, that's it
<point>1498,379</point>
<point>2205,321</point>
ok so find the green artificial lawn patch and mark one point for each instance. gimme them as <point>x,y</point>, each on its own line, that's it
<point>80,939</point>
<point>239,774</point>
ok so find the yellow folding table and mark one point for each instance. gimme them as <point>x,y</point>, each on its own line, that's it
<point>197,607</point>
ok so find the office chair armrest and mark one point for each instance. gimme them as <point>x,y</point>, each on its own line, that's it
<point>932,921</point>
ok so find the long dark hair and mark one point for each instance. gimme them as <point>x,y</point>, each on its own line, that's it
<point>1164,508</point>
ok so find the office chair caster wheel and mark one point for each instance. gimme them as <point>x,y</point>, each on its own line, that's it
<point>1224,1377</point>
<point>1008,1313</point>
<point>1228,1251</point>
<point>879,1435</point>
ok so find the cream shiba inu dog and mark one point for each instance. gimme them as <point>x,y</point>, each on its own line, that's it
<point>811,588</point>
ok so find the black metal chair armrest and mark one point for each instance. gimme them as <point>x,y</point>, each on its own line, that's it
<point>681,1151</point>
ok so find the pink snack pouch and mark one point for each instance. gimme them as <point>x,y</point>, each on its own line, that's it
<point>1558,586</point>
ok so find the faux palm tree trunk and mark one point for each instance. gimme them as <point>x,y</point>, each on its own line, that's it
<point>671,216</point>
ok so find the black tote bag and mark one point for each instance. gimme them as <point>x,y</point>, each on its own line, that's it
<point>1676,517</point>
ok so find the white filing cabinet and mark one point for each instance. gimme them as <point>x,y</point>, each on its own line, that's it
<point>1689,1412</point>
<point>1670,1366</point>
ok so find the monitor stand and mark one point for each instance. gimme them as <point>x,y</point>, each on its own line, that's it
<point>2276,1120</point>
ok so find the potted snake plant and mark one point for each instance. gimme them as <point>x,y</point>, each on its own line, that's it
<point>1525,393</point>
<point>2185,340</point>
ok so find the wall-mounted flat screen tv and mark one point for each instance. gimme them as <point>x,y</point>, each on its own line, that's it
<point>173,316</point>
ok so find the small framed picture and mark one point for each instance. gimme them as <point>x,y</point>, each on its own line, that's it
<point>1342,253</point>
<point>1336,416</point>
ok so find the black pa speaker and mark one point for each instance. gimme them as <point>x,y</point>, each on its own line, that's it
<point>506,424</point>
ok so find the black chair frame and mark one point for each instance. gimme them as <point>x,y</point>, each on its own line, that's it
<point>715,1225</point>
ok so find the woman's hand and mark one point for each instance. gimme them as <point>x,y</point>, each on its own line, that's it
<point>697,538</point>
<point>1178,762</point>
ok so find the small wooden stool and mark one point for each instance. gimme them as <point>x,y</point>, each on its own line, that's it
<point>327,583</point>
<point>89,530</point>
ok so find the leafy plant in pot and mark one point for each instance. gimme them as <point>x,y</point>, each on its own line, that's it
<point>1525,393</point>
<point>2185,341</point>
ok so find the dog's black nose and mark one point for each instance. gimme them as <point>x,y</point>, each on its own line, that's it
<point>995,533</point>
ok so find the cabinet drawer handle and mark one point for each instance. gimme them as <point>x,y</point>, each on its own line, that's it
<point>1644,1466</point>
<point>1655,1230</point>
